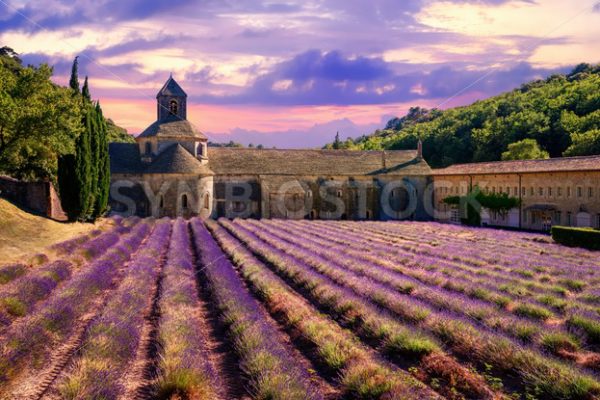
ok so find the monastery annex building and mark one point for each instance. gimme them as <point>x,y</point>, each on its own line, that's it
<point>171,171</point>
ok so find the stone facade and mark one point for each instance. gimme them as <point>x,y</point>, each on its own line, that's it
<point>551,192</point>
<point>171,171</point>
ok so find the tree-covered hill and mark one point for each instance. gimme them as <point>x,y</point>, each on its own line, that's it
<point>39,120</point>
<point>561,113</point>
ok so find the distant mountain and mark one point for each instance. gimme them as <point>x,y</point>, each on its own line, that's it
<point>561,113</point>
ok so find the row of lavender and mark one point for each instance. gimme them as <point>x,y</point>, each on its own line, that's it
<point>434,310</point>
<point>362,374</point>
<point>29,343</point>
<point>23,287</point>
<point>483,293</point>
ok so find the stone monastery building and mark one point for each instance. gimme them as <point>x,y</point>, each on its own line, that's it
<point>171,171</point>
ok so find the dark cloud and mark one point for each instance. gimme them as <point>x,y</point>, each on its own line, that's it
<point>332,66</point>
<point>317,78</point>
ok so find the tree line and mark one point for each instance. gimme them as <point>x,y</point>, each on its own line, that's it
<point>55,133</point>
<point>554,117</point>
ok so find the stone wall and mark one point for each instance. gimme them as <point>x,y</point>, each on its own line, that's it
<point>38,197</point>
<point>161,195</point>
<point>550,198</point>
<point>323,197</point>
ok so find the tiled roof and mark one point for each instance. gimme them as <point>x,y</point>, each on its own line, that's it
<point>240,161</point>
<point>125,159</point>
<point>583,163</point>
<point>173,127</point>
<point>171,88</point>
<point>177,160</point>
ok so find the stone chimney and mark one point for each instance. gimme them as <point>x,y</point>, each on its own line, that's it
<point>420,150</point>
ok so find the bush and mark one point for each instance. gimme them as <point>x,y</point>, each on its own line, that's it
<point>577,237</point>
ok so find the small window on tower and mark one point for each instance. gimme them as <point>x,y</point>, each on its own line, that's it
<point>148,148</point>
<point>173,107</point>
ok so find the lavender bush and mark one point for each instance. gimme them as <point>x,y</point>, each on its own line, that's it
<point>112,340</point>
<point>270,368</point>
<point>34,336</point>
<point>184,367</point>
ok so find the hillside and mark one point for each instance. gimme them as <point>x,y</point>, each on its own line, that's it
<point>17,226</point>
<point>561,113</point>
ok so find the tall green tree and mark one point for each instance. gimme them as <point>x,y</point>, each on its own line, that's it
<point>526,149</point>
<point>74,81</point>
<point>83,169</point>
<point>39,121</point>
<point>337,143</point>
<point>103,166</point>
<point>85,90</point>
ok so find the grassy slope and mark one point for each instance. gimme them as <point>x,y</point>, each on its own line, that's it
<point>22,234</point>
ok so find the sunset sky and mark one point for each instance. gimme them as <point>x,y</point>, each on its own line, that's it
<point>292,73</point>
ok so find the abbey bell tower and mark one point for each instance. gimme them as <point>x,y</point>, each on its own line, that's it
<point>171,102</point>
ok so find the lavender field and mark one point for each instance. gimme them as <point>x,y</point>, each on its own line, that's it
<point>274,309</point>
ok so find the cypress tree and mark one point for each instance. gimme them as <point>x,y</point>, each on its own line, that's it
<point>85,90</point>
<point>83,169</point>
<point>74,81</point>
<point>103,166</point>
<point>94,156</point>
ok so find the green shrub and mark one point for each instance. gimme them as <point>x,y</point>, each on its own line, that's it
<point>589,326</point>
<point>577,237</point>
<point>531,311</point>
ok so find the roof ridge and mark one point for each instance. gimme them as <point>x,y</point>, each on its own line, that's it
<point>537,160</point>
<point>319,150</point>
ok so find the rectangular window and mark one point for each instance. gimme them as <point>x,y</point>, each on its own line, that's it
<point>523,191</point>
<point>559,191</point>
<point>541,191</point>
<point>569,191</point>
<point>549,191</point>
<point>557,217</point>
<point>531,192</point>
<point>515,191</point>
<point>493,189</point>
<point>590,192</point>
<point>579,191</point>
<point>569,218</point>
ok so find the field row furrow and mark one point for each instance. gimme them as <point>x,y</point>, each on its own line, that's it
<point>362,374</point>
<point>270,367</point>
<point>483,283</point>
<point>31,341</point>
<point>400,278</point>
<point>113,338</point>
<point>462,337</point>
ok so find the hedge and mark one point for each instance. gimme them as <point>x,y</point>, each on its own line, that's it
<point>577,237</point>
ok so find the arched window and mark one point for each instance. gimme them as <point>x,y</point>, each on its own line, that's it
<point>161,202</point>
<point>173,107</point>
<point>184,201</point>
<point>207,201</point>
<point>148,148</point>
